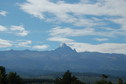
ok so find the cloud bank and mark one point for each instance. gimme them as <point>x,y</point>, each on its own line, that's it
<point>82,47</point>
<point>89,19</point>
<point>76,13</point>
<point>21,44</point>
<point>16,30</point>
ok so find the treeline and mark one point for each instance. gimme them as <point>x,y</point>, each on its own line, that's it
<point>105,81</point>
<point>67,78</point>
<point>10,78</point>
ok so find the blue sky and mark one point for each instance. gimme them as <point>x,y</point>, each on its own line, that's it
<point>86,25</point>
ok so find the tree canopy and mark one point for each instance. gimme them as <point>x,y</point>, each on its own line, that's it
<point>68,78</point>
<point>11,78</point>
<point>2,75</point>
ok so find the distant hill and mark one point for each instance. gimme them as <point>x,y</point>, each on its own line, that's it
<point>62,59</point>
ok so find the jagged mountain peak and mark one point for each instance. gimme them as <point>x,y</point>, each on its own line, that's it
<point>64,58</point>
<point>64,45</point>
<point>65,48</point>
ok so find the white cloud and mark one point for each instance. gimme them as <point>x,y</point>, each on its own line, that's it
<point>101,39</point>
<point>3,13</point>
<point>121,21</point>
<point>28,44</point>
<point>104,47</point>
<point>40,47</point>
<point>60,39</point>
<point>67,32</point>
<point>63,32</point>
<point>21,44</point>
<point>24,43</point>
<point>17,43</point>
<point>5,43</point>
<point>61,10</point>
<point>2,28</point>
<point>73,13</point>
<point>19,30</point>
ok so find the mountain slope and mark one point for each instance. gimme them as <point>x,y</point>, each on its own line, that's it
<point>62,59</point>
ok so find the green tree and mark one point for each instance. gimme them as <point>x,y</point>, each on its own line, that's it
<point>13,78</point>
<point>2,75</point>
<point>58,81</point>
<point>109,82</point>
<point>120,81</point>
<point>104,76</point>
<point>103,81</point>
<point>68,78</point>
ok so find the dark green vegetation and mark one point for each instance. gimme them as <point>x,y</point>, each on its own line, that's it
<point>10,78</point>
<point>65,78</point>
<point>103,80</point>
<point>38,81</point>
<point>68,79</point>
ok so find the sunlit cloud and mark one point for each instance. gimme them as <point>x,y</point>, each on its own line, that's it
<point>103,48</point>
<point>73,13</point>
<point>40,47</point>
<point>19,30</point>
<point>3,13</point>
<point>101,39</point>
<point>2,28</point>
<point>24,43</point>
<point>16,30</point>
<point>60,39</point>
<point>5,43</point>
<point>68,32</point>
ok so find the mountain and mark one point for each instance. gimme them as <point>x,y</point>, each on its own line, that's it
<point>65,49</point>
<point>62,59</point>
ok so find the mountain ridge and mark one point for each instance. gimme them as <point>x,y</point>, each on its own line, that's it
<point>62,59</point>
<point>62,46</point>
